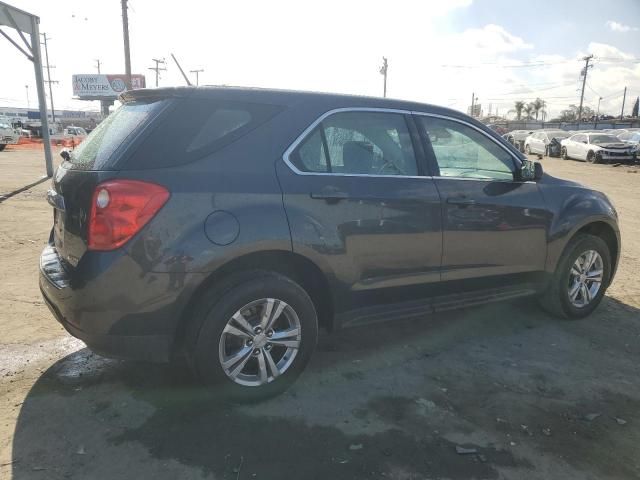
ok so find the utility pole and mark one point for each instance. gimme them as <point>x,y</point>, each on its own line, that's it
<point>383,71</point>
<point>27,88</point>
<point>473,98</point>
<point>97,60</point>
<point>48,80</point>
<point>586,59</point>
<point>197,72</point>
<point>157,68</point>
<point>624,97</point>
<point>127,52</point>
<point>597,112</point>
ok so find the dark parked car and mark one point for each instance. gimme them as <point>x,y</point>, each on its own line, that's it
<point>228,224</point>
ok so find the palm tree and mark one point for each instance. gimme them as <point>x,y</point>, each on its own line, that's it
<point>527,109</point>
<point>537,105</point>
<point>518,106</point>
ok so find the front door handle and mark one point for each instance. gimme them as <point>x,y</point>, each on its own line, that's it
<point>330,193</point>
<point>461,201</point>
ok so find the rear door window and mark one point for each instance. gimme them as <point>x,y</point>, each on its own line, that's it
<point>360,143</point>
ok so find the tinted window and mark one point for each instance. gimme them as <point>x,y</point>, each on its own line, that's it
<point>95,152</point>
<point>196,127</point>
<point>579,138</point>
<point>462,151</point>
<point>364,143</point>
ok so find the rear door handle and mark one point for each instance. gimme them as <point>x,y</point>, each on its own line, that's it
<point>461,201</point>
<point>330,193</point>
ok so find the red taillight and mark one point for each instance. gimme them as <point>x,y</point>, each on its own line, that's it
<point>119,209</point>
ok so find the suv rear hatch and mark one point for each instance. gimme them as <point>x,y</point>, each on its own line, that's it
<point>92,162</point>
<point>153,129</point>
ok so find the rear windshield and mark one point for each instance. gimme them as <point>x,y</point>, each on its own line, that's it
<point>195,127</point>
<point>95,152</point>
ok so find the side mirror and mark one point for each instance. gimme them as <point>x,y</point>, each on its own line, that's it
<point>65,155</point>
<point>531,171</point>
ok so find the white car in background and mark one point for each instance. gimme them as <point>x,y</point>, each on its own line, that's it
<point>595,147</point>
<point>631,138</point>
<point>545,142</point>
<point>8,136</point>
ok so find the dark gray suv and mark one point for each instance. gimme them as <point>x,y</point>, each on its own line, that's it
<point>225,225</point>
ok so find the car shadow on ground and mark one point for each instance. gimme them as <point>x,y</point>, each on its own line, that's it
<point>394,400</point>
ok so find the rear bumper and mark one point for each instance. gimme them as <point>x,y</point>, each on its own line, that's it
<point>152,348</point>
<point>115,308</point>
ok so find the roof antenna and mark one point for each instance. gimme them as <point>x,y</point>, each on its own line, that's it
<point>186,79</point>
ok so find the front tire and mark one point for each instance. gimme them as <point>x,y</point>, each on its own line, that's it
<point>581,278</point>
<point>592,157</point>
<point>253,336</point>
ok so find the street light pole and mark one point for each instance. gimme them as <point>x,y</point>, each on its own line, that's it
<point>28,104</point>
<point>383,71</point>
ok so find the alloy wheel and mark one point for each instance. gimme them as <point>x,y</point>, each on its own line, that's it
<point>585,278</point>
<point>260,342</point>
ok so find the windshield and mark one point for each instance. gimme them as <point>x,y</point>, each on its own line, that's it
<point>603,139</point>
<point>96,150</point>
<point>558,134</point>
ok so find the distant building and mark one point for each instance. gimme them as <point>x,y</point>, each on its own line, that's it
<point>29,119</point>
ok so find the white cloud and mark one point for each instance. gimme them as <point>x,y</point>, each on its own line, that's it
<point>608,51</point>
<point>620,27</point>
<point>492,38</point>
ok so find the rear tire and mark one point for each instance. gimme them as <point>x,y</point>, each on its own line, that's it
<point>2,145</point>
<point>546,151</point>
<point>527,149</point>
<point>558,297</point>
<point>254,368</point>
<point>563,153</point>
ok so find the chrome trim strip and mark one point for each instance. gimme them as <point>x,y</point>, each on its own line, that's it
<point>303,135</point>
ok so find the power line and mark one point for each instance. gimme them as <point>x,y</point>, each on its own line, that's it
<point>515,65</point>
<point>49,81</point>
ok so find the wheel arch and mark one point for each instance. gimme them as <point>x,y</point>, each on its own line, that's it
<point>599,227</point>
<point>293,265</point>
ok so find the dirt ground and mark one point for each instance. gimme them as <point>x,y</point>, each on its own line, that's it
<point>536,398</point>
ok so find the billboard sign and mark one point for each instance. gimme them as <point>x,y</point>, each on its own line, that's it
<point>101,86</point>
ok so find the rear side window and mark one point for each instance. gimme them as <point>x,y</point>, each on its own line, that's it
<point>96,151</point>
<point>196,127</point>
<point>361,143</point>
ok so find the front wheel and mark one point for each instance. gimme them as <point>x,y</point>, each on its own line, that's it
<point>592,158</point>
<point>256,334</point>
<point>581,278</point>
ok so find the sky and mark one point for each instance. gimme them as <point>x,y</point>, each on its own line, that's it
<point>439,52</point>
